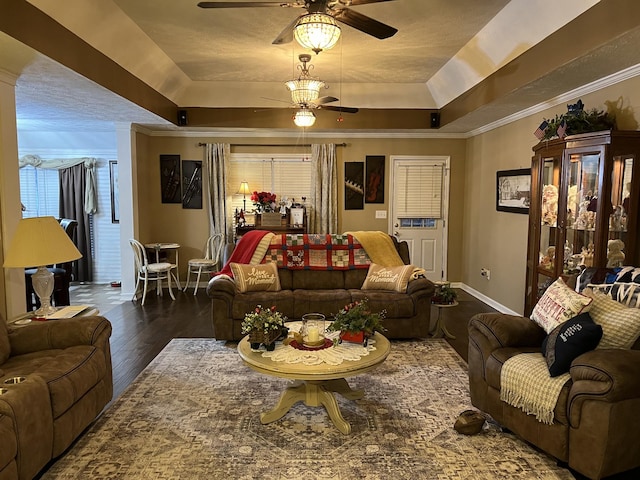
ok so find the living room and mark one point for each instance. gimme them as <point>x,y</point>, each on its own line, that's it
<point>479,236</point>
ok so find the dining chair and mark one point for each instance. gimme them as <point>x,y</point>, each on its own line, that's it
<point>209,264</point>
<point>150,272</point>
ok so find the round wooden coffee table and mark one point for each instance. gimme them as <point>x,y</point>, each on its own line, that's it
<point>316,383</point>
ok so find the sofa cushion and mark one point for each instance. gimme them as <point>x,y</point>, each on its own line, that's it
<point>8,444</point>
<point>244,303</point>
<point>394,279</point>
<point>256,278</point>
<point>396,305</point>
<point>69,373</point>
<point>326,302</point>
<point>568,341</point>
<point>620,324</point>
<point>558,304</point>
<point>5,346</point>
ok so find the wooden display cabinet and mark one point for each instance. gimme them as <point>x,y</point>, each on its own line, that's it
<point>585,191</point>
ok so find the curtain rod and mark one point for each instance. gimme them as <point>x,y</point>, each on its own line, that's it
<point>273,144</point>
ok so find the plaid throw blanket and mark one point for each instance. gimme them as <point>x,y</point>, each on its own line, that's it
<point>525,383</point>
<point>317,252</point>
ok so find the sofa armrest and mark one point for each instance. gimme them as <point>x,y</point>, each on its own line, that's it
<point>221,285</point>
<point>498,330</point>
<point>421,286</point>
<point>59,334</point>
<point>606,375</point>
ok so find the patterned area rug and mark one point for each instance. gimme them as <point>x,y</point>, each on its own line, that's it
<point>193,413</point>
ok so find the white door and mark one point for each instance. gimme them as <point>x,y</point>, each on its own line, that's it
<point>419,209</point>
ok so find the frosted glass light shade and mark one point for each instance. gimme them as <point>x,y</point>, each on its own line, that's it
<point>317,31</point>
<point>304,118</point>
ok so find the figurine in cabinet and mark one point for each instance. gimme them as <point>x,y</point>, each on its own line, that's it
<point>615,255</point>
<point>549,205</point>
<point>548,259</point>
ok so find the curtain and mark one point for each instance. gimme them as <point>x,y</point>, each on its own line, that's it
<point>217,161</point>
<point>323,217</point>
<point>90,192</point>
<point>73,205</point>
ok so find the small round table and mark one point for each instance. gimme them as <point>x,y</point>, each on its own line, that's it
<point>440,330</point>
<point>316,383</point>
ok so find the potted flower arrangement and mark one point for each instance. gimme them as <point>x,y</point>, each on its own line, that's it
<point>444,295</point>
<point>264,201</point>
<point>264,326</point>
<point>356,322</point>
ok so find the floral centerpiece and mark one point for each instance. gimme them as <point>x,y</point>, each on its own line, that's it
<point>264,201</point>
<point>264,326</point>
<point>356,322</point>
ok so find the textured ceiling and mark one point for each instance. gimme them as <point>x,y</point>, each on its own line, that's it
<point>224,57</point>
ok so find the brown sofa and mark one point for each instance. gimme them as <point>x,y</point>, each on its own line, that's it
<point>597,416</point>
<point>303,291</point>
<point>66,366</point>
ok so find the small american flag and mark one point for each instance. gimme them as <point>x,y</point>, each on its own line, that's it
<point>562,129</point>
<point>539,133</point>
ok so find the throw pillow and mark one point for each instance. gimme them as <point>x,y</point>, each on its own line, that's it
<point>388,278</point>
<point>558,304</point>
<point>256,278</point>
<point>620,324</point>
<point>569,340</point>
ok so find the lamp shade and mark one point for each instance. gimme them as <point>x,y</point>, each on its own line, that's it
<point>244,188</point>
<point>304,118</point>
<point>317,31</point>
<point>40,241</point>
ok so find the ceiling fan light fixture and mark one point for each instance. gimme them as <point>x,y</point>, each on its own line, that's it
<point>304,90</point>
<point>317,31</point>
<point>304,118</point>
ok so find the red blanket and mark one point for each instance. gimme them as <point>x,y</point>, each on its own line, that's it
<point>243,251</point>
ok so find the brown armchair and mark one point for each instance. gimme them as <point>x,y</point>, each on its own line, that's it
<point>596,424</point>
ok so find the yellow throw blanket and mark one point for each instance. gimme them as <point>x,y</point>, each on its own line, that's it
<point>379,247</point>
<point>525,383</point>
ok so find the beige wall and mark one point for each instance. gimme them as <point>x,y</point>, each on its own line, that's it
<point>170,222</point>
<point>498,240</point>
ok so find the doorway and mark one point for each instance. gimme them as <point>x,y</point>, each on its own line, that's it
<point>419,210</point>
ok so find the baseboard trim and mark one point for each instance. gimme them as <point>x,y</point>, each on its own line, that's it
<point>480,296</point>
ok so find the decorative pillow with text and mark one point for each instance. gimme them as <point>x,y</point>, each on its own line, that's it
<point>388,278</point>
<point>558,304</point>
<point>256,278</point>
<point>568,341</point>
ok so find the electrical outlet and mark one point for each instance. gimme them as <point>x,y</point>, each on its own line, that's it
<point>486,273</point>
<point>381,214</point>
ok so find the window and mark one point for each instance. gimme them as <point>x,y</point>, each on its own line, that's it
<point>39,192</point>
<point>286,175</point>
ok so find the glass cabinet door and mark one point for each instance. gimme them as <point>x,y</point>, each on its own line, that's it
<point>582,210</point>
<point>621,182</point>
<point>546,271</point>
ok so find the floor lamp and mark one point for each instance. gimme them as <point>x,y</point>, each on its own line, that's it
<point>41,241</point>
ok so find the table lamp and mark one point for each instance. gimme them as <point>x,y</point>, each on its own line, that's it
<point>40,241</point>
<point>244,189</point>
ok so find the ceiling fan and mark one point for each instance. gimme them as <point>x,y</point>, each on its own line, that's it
<point>337,9</point>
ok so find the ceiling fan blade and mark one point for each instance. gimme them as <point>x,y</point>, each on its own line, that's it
<point>364,2</point>
<point>246,4</point>
<point>340,109</point>
<point>286,35</point>
<point>364,24</point>
<point>323,100</point>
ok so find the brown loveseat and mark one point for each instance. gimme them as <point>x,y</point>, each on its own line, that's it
<point>303,291</point>
<point>597,416</point>
<point>66,366</point>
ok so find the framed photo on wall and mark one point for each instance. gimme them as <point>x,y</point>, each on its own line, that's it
<point>513,190</point>
<point>353,186</point>
<point>374,176</point>
<point>192,184</point>
<point>170,178</point>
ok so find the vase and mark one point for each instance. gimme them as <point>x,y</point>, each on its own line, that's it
<point>354,337</point>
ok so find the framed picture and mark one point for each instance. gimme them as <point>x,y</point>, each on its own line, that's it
<point>191,184</point>
<point>353,185</point>
<point>115,193</point>
<point>170,178</point>
<point>297,216</point>
<point>374,176</point>
<point>513,190</point>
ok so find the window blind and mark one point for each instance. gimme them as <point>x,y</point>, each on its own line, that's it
<point>418,189</point>
<point>40,192</point>
<point>285,175</point>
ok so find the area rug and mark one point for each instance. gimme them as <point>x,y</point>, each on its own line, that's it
<point>193,413</point>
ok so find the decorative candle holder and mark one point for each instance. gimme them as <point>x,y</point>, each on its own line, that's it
<point>313,329</point>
